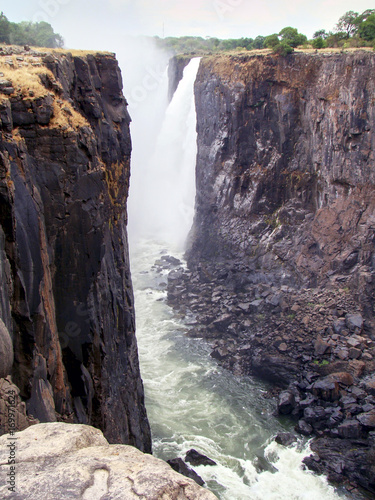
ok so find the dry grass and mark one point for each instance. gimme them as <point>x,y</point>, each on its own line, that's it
<point>78,53</point>
<point>26,81</point>
<point>66,117</point>
<point>311,50</point>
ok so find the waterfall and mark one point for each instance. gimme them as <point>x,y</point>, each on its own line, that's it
<point>191,401</point>
<point>165,207</point>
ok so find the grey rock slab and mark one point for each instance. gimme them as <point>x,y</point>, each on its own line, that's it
<point>71,461</point>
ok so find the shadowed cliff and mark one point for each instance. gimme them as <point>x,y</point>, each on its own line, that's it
<point>66,293</point>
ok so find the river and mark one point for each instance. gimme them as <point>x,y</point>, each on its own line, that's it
<point>191,401</point>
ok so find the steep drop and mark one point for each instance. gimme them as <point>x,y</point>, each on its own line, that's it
<point>191,401</point>
<point>66,293</point>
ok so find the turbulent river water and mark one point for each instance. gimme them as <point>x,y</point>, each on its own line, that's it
<point>191,401</point>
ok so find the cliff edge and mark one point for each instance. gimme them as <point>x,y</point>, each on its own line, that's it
<point>66,297</point>
<point>281,253</point>
<point>82,465</point>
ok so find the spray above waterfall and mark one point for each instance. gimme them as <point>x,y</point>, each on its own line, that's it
<point>165,193</point>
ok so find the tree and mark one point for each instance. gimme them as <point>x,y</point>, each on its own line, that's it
<point>283,48</point>
<point>271,41</point>
<point>321,34</point>
<point>319,43</point>
<point>336,39</point>
<point>258,42</point>
<point>4,29</point>
<point>348,23</point>
<point>367,29</point>
<point>292,37</point>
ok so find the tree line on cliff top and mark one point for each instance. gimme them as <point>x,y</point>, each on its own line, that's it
<point>352,30</point>
<point>28,33</point>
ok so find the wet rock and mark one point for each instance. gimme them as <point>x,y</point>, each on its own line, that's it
<point>64,178</point>
<point>286,403</point>
<point>180,466</point>
<point>304,428</point>
<point>285,438</point>
<point>326,389</point>
<point>196,458</point>
<point>350,429</point>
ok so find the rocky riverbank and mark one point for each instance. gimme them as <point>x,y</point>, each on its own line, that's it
<point>313,345</point>
<point>281,277</point>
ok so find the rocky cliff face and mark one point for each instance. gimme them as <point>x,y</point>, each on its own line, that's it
<point>281,253</point>
<point>285,164</point>
<point>66,297</point>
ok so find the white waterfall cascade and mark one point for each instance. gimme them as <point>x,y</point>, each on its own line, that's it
<point>191,401</point>
<point>167,200</point>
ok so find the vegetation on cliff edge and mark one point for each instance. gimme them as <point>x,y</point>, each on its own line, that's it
<point>352,30</point>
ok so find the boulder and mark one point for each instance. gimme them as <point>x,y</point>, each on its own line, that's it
<point>285,403</point>
<point>196,458</point>
<point>344,378</point>
<point>321,346</point>
<point>367,419</point>
<point>285,438</point>
<point>73,461</point>
<point>304,428</point>
<point>326,389</point>
<point>350,429</point>
<point>180,466</point>
<point>354,321</point>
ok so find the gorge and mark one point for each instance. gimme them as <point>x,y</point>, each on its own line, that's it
<point>280,255</point>
<point>278,285</point>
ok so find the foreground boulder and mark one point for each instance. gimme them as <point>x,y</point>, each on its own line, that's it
<point>57,460</point>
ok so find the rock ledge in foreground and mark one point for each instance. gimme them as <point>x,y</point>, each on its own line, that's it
<point>71,461</point>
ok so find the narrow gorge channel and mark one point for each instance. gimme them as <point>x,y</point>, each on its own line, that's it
<point>191,401</point>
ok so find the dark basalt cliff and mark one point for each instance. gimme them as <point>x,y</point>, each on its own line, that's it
<point>176,68</point>
<point>281,253</point>
<point>66,297</point>
<point>285,170</point>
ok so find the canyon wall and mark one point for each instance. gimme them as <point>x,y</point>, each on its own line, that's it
<point>280,277</point>
<point>285,169</point>
<point>66,297</point>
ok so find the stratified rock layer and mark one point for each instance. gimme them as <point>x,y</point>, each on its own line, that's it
<point>57,460</point>
<point>66,296</point>
<point>281,253</point>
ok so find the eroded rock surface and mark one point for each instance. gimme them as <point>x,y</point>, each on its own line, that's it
<point>280,275</point>
<point>57,460</point>
<point>66,295</point>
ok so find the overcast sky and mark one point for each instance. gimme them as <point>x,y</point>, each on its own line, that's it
<point>100,24</point>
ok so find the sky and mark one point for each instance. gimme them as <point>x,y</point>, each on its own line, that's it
<point>101,24</point>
